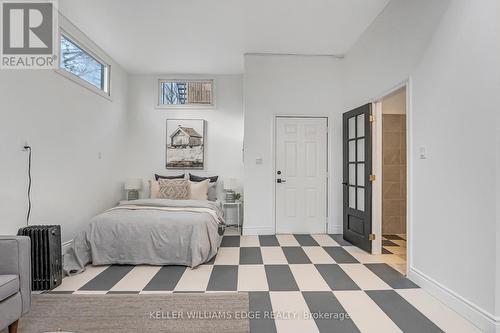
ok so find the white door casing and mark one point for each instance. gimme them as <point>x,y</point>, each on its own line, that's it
<point>301,157</point>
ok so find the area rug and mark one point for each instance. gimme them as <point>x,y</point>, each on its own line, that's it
<point>204,312</point>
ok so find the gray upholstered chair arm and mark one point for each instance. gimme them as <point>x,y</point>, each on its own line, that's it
<point>15,258</point>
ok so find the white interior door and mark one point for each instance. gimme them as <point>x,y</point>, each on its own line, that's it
<point>301,175</point>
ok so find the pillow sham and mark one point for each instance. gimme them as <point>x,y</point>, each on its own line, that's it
<point>177,189</point>
<point>157,177</point>
<point>194,178</point>
<point>199,190</point>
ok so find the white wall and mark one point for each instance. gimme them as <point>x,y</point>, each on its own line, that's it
<point>287,85</point>
<point>147,129</point>
<point>389,49</point>
<point>455,96</point>
<point>454,71</point>
<point>67,126</point>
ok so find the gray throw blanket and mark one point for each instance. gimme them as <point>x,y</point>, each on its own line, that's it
<point>149,231</point>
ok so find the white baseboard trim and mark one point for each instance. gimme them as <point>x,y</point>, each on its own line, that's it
<point>335,229</point>
<point>481,318</point>
<point>258,231</point>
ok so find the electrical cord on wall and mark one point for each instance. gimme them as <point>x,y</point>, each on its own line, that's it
<point>28,148</point>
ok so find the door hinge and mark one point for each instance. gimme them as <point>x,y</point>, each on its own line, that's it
<point>372,118</point>
<point>371,237</point>
<point>371,178</point>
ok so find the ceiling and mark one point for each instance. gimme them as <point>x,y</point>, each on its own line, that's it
<point>211,36</point>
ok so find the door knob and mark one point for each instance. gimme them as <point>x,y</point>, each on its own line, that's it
<point>280,181</point>
<point>344,183</point>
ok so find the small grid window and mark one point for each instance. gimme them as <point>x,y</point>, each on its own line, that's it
<point>178,93</point>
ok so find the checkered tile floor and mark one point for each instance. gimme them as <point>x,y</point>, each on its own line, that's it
<point>291,273</point>
<point>395,245</point>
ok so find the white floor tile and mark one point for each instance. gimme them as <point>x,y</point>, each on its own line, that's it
<point>437,312</point>
<point>367,258</point>
<point>136,279</point>
<point>324,240</point>
<point>365,313</point>
<point>318,255</point>
<point>273,255</point>
<point>308,278</point>
<point>292,304</point>
<point>231,232</point>
<point>228,256</point>
<point>287,240</point>
<point>195,279</point>
<point>249,241</point>
<point>252,278</point>
<point>363,277</point>
<point>75,282</point>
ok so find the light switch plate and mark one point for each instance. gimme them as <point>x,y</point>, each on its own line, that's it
<point>422,152</point>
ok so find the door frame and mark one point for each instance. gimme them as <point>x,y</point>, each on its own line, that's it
<point>273,168</point>
<point>377,171</point>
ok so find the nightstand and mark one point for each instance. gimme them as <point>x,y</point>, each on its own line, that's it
<point>233,214</point>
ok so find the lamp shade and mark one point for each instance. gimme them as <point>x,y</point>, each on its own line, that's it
<point>230,184</point>
<point>133,184</point>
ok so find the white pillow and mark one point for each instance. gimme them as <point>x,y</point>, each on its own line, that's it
<point>154,189</point>
<point>199,190</point>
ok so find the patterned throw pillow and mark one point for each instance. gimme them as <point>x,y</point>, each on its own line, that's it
<point>178,189</point>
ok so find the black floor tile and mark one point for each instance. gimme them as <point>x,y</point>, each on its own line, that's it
<point>402,313</point>
<point>280,278</point>
<point>260,305</point>
<point>324,302</point>
<point>295,255</point>
<point>230,241</point>
<point>223,278</point>
<point>386,242</point>
<point>393,237</point>
<point>166,278</point>
<point>268,240</point>
<point>250,256</point>
<point>340,255</point>
<point>336,278</point>
<point>306,240</point>
<point>391,276</point>
<point>107,278</point>
<point>339,238</point>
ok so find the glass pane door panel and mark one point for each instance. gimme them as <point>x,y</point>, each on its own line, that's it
<point>352,128</point>
<point>352,197</point>
<point>352,151</point>
<point>361,199</point>
<point>361,125</point>
<point>352,174</point>
<point>361,174</point>
<point>361,150</point>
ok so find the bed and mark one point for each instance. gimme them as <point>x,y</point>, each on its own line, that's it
<point>149,231</point>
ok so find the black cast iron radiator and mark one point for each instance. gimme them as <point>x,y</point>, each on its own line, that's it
<point>46,257</point>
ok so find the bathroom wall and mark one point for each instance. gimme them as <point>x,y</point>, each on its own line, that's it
<point>394,164</point>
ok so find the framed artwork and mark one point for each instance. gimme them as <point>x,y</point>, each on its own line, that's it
<point>185,144</point>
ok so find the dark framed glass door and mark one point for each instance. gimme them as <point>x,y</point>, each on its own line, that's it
<point>357,187</point>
